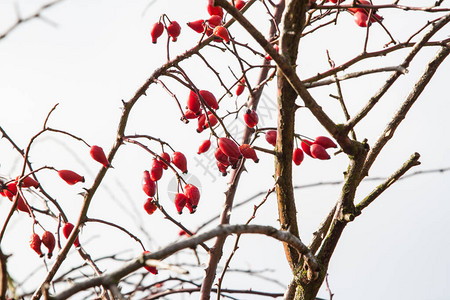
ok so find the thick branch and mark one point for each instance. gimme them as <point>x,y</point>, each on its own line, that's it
<point>114,277</point>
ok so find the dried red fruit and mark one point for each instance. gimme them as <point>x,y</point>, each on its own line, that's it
<point>70,177</point>
<point>193,196</point>
<point>35,244</point>
<point>156,171</point>
<point>98,155</point>
<point>214,10</point>
<point>148,185</point>
<point>268,57</point>
<point>214,21</point>
<point>28,182</point>
<point>248,152</point>
<point>306,146</point>
<point>229,147</point>
<point>204,146</point>
<point>240,87</point>
<point>233,162</point>
<point>150,206</point>
<point>180,202</point>
<point>239,4</point>
<point>251,118</point>
<point>174,30</point>
<point>193,103</point>
<point>182,232</point>
<point>198,26</point>
<point>67,229</point>
<point>48,239</point>
<point>201,123</point>
<point>166,157</point>
<point>325,142</point>
<point>222,32</point>
<point>179,160</point>
<point>297,156</point>
<point>221,157</point>
<point>209,99</point>
<point>271,137</point>
<point>157,31</point>
<point>151,269</point>
<point>317,151</point>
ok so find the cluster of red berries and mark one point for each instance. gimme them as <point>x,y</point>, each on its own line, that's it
<point>189,198</point>
<point>173,30</point>
<point>48,239</point>
<point>360,15</point>
<point>315,149</point>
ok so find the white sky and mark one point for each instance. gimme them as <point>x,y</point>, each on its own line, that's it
<point>100,52</point>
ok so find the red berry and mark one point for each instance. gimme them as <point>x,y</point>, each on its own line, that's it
<point>193,196</point>
<point>297,156</point>
<point>209,99</point>
<point>70,177</point>
<point>28,182</point>
<point>180,202</point>
<point>212,120</point>
<point>150,206</point>
<point>35,244</point>
<point>157,31</point>
<point>67,229</point>
<point>229,147</point>
<point>21,205</point>
<point>151,269</point>
<point>189,114</point>
<point>214,21</point>
<point>214,10</point>
<point>204,146</point>
<point>174,30</point>
<point>251,118</point>
<point>10,190</point>
<point>222,32</point>
<point>179,160</point>
<point>325,142</point>
<point>306,147</point>
<point>271,137</point>
<point>317,151</point>
<point>201,123</point>
<point>166,157</point>
<point>222,168</point>
<point>148,185</point>
<point>198,26</point>
<point>221,157</point>
<point>97,154</point>
<point>239,4</point>
<point>248,152</point>
<point>193,103</point>
<point>156,171</point>
<point>361,19</point>
<point>48,239</point>
<point>240,87</point>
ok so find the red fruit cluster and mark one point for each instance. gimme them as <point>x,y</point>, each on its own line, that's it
<point>48,239</point>
<point>189,199</point>
<point>173,30</point>
<point>10,190</point>
<point>317,148</point>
